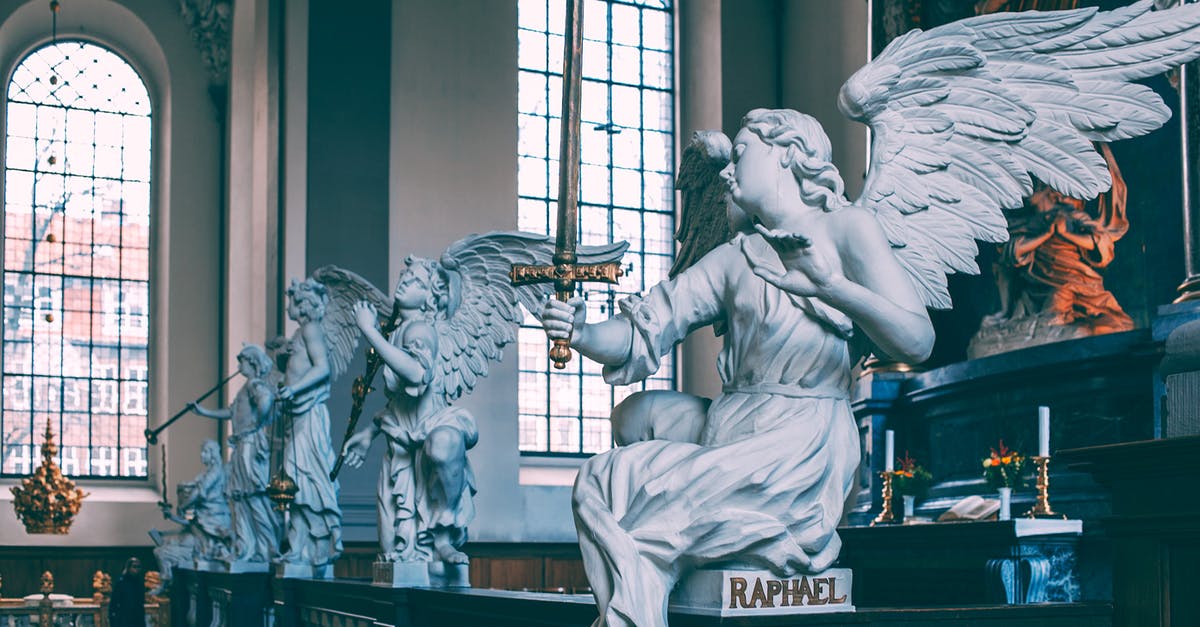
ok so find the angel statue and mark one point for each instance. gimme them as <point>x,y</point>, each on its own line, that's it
<point>255,522</point>
<point>961,117</point>
<point>454,315</point>
<point>203,517</point>
<point>317,353</point>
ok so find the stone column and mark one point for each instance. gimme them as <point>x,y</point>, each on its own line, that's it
<point>1189,124</point>
<point>699,28</point>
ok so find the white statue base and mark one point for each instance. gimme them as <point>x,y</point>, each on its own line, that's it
<point>237,567</point>
<point>420,575</point>
<point>760,593</point>
<point>303,571</point>
<point>210,566</point>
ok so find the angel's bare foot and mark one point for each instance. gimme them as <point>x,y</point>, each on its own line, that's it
<point>446,551</point>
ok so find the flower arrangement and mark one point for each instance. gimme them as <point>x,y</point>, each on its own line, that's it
<point>1003,468</point>
<point>910,479</point>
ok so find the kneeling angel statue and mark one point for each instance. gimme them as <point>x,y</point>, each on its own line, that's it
<point>451,317</point>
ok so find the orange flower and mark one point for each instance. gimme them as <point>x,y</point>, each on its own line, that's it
<point>1006,460</point>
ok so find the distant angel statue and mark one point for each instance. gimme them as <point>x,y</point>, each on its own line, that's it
<point>961,116</point>
<point>255,522</point>
<point>453,316</point>
<point>317,353</point>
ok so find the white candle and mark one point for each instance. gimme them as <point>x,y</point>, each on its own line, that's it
<point>1044,431</point>
<point>889,450</point>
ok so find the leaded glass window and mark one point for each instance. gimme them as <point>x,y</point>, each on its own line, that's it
<point>76,262</point>
<point>626,192</point>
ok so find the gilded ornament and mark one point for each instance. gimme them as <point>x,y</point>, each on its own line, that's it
<point>47,501</point>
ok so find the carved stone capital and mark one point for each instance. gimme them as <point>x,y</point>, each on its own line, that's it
<point>210,23</point>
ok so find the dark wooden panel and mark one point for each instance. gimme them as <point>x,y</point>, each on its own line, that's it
<point>73,567</point>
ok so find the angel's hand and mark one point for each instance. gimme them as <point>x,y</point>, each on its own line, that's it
<point>806,271</point>
<point>560,320</point>
<point>356,448</point>
<point>286,392</point>
<point>365,316</point>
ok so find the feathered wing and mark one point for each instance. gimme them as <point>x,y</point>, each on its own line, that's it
<point>704,222</point>
<point>341,333</point>
<point>964,114</point>
<point>486,305</point>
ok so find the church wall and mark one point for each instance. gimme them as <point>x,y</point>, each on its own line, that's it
<point>186,246</point>
<point>347,163</point>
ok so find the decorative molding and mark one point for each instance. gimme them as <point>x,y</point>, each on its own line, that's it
<point>210,23</point>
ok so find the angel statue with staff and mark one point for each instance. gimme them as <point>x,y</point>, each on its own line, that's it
<point>961,117</point>
<point>454,315</point>
<point>318,352</point>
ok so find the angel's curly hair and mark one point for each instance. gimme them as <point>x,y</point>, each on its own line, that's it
<point>310,291</point>
<point>257,357</point>
<point>808,153</point>
<point>439,302</point>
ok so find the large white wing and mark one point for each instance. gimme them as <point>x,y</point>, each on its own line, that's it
<point>341,333</point>
<point>484,313</point>
<point>963,114</point>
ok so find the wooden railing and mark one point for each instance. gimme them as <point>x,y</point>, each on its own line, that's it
<point>60,610</point>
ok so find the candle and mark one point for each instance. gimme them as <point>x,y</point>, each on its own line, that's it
<point>1044,431</point>
<point>889,450</point>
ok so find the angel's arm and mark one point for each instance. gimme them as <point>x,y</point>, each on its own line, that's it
<point>225,413</point>
<point>608,342</point>
<point>402,362</point>
<point>877,294</point>
<point>318,355</point>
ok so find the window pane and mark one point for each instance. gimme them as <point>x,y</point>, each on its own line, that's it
<point>565,411</point>
<point>76,263</point>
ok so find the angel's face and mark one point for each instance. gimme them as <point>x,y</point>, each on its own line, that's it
<point>756,178</point>
<point>413,291</point>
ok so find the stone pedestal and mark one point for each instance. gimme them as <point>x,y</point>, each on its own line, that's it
<point>303,571</point>
<point>420,575</point>
<point>727,592</point>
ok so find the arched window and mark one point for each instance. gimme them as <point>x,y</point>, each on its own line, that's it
<point>627,152</point>
<point>76,261</point>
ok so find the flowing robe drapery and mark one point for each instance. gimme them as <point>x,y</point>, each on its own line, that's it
<point>255,522</point>
<point>776,456</point>
<point>315,529</point>
<point>409,505</point>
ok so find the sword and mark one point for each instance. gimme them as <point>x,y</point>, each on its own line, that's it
<point>565,272</point>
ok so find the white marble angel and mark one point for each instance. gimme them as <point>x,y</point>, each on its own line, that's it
<point>317,353</point>
<point>203,516</point>
<point>255,522</point>
<point>961,116</point>
<point>454,316</point>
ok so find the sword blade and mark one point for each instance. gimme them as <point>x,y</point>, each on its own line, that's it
<point>568,147</point>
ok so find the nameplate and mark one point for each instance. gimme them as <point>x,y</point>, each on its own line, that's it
<point>759,592</point>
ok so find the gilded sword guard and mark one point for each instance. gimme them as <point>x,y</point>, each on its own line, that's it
<point>564,276</point>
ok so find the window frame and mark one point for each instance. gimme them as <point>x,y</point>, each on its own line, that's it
<point>156,171</point>
<point>609,299</point>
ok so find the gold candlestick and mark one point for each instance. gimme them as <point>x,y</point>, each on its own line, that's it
<point>886,516</point>
<point>1041,507</point>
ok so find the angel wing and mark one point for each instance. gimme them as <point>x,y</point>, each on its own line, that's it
<point>963,114</point>
<point>484,312</point>
<point>341,333</point>
<point>705,221</point>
